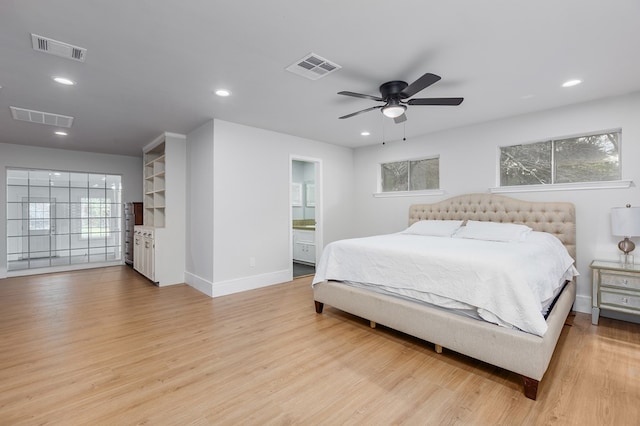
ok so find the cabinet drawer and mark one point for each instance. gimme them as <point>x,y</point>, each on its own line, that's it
<point>620,300</point>
<point>620,280</point>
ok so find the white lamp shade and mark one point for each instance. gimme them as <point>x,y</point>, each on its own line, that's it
<point>625,221</point>
<point>393,111</point>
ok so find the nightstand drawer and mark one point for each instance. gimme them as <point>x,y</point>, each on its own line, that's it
<point>621,300</point>
<point>614,287</point>
<point>620,280</point>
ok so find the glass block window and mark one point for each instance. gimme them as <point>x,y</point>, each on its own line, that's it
<point>57,218</point>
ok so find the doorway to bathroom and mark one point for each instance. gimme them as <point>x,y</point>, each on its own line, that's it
<point>305,217</point>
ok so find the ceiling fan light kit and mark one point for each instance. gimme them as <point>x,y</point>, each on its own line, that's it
<point>395,94</point>
<point>393,110</point>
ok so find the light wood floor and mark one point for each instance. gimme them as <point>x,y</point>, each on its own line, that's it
<point>104,346</point>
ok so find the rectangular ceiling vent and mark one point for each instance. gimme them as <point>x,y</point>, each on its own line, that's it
<point>41,117</point>
<point>58,48</point>
<point>313,67</point>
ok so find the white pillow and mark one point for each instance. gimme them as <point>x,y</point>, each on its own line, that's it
<point>493,231</point>
<point>433,228</point>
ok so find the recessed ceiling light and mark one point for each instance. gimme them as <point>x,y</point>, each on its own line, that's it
<point>571,83</point>
<point>63,80</point>
<point>365,133</point>
<point>223,92</point>
<point>61,133</point>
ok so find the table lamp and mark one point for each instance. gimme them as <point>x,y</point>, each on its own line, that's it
<point>625,222</point>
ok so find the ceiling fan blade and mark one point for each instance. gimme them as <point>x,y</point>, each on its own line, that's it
<point>400,119</point>
<point>360,112</point>
<point>435,101</point>
<point>360,95</point>
<point>422,83</point>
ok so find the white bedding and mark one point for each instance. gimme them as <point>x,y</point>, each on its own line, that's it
<point>505,282</point>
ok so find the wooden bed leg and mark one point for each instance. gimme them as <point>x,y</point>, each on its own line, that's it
<point>319,306</point>
<point>372,324</point>
<point>530,387</point>
<point>438,349</point>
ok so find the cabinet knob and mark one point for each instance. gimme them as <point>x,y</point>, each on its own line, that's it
<point>625,281</point>
<point>625,300</point>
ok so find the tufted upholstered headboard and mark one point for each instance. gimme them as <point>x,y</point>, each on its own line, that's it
<point>557,218</point>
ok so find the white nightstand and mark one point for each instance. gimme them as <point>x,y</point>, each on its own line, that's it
<point>616,287</point>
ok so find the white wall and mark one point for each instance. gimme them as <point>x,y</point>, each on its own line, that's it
<point>199,232</point>
<point>57,159</point>
<point>468,163</point>
<point>251,211</point>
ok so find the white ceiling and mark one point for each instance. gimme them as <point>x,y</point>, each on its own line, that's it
<point>152,65</point>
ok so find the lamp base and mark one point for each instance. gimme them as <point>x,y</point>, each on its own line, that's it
<point>626,259</point>
<point>626,246</point>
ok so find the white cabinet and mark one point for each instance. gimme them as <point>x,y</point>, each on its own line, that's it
<point>304,246</point>
<point>144,251</point>
<point>137,249</point>
<point>165,187</point>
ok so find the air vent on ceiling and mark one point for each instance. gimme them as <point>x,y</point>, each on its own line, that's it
<point>58,48</point>
<point>313,67</point>
<point>41,117</point>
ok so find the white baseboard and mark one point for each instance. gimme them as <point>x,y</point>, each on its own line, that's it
<point>199,283</point>
<point>223,288</point>
<point>61,268</point>
<point>582,304</point>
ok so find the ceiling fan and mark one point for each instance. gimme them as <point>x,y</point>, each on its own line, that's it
<point>395,95</point>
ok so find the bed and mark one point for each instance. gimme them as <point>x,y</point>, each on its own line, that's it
<point>524,353</point>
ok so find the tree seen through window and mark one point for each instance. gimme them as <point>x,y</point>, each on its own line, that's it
<point>591,158</point>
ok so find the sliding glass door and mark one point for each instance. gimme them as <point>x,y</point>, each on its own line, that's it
<point>57,218</point>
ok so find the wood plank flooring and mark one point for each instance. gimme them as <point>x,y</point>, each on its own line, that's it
<point>104,346</point>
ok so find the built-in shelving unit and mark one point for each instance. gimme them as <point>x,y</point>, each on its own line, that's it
<point>161,241</point>
<point>154,187</point>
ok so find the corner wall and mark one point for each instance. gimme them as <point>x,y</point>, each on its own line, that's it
<point>249,181</point>
<point>199,226</point>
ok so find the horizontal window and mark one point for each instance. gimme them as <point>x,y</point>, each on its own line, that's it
<point>410,175</point>
<point>588,158</point>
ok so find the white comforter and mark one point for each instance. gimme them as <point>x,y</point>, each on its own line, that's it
<point>506,283</point>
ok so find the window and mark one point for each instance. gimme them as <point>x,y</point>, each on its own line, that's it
<point>58,218</point>
<point>39,216</point>
<point>96,211</point>
<point>588,158</point>
<point>410,175</point>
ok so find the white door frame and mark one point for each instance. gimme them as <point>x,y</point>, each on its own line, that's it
<point>318,207</point>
